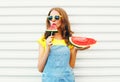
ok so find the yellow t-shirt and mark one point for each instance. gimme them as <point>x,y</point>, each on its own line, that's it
<point>42,41</point>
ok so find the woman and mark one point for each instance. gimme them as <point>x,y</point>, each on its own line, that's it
<point>56,55</point>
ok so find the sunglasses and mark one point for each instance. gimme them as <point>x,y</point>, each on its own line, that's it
<point>56,17</point>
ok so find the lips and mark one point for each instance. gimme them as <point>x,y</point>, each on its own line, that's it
<point>53,24</point>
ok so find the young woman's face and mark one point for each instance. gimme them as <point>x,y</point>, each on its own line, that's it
<point>55,18</point>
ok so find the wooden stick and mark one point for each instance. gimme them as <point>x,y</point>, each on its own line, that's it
<point>51,33</point>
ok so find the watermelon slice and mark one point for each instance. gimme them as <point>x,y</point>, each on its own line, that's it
<point>81,41</point>
<point>52,28</point>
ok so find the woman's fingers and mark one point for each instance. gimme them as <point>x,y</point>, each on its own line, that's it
<point>49,40</point>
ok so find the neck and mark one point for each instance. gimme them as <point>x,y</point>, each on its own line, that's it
<point>58,36</point>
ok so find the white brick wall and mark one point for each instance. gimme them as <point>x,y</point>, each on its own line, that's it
<point>22,22</point>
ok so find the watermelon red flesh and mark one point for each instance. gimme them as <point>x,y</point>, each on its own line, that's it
<point>52,28</point>
<point>82,41</point>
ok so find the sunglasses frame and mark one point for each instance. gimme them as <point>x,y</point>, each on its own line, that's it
<point>54,17</point>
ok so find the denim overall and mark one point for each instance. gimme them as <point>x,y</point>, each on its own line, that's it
<point>57,68</point>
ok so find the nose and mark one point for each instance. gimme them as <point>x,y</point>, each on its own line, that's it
<point>53,19</point>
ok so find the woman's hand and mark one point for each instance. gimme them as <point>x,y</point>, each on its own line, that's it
<point>49,41</point>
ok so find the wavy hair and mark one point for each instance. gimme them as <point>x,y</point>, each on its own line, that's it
<point>65,24</point>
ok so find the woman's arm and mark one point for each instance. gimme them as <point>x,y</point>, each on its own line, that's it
<point>73,53</point>
<point>43,54</point>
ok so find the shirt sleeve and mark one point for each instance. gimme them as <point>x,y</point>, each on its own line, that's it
<point>70,46</point>
<point>42,41</point>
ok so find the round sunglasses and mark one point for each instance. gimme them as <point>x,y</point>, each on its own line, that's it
<point>56,17</point>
